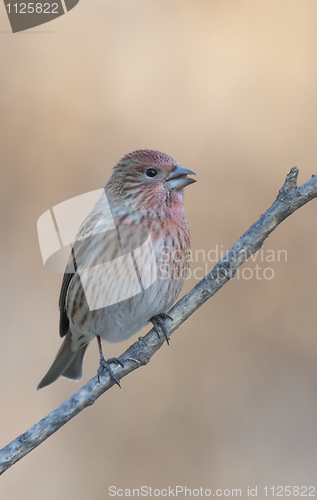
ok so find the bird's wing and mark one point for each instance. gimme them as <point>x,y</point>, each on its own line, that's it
<point>97,241</point>
<point>80,247</point>
<point>63,320</point>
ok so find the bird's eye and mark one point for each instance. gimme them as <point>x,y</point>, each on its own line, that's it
<point>151,172</point>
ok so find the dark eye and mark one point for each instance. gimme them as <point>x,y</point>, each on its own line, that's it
<point>151,172</point>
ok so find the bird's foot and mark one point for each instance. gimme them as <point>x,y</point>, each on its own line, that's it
<point>159,325</point>
<point>105,364</point>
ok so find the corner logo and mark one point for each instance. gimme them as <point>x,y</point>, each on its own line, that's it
<point>25,15</point>
<point>114,263</point>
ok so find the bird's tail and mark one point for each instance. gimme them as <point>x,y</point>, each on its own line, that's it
<point>67,363</point>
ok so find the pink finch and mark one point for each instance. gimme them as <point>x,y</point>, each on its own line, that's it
<point>129,271</point>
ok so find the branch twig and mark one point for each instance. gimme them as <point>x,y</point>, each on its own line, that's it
<point>290,198</point>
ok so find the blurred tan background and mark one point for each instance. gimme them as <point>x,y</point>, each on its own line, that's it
<point>229,88</point>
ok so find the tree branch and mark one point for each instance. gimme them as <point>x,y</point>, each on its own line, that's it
<point>290,198</point>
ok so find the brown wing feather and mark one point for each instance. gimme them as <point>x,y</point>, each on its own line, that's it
<point>80,247</point>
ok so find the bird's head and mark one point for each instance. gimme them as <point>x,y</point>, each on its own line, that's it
<point>148,180</point>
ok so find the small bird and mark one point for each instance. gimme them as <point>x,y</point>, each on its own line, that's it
<point>144,197</point>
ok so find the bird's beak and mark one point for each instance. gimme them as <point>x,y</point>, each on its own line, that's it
<point>178,179</point>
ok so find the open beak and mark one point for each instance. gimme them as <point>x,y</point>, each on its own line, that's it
<point>178,179</point>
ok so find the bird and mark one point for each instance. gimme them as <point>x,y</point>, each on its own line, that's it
<point>139,218</point>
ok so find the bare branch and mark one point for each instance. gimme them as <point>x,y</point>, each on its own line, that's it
<point>289,199</point>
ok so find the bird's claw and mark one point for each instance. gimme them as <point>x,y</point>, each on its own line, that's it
<point>105,365</point>
<point>159,325</point>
